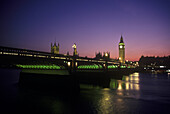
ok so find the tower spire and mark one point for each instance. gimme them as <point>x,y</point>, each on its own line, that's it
<point>121,39</point>
<point>55,41</point>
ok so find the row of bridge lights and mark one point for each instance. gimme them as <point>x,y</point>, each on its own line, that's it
<point>110,66</point>
<point>95,66</point>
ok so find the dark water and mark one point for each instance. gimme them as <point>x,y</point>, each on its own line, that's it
<point>137,93</point>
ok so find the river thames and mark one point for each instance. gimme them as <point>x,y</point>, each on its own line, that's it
<point>138,93</point>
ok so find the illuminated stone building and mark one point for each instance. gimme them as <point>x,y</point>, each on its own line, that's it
<point>121,51</point>
<point>55,48</point>
<point>75,49</point>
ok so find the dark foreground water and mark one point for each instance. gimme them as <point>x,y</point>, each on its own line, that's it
<point>137,93</point>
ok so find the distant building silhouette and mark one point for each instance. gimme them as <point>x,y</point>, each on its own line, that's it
<point>121,50</point>
<point>106,55</point>
<point>98,55</point>
<point>68,53</point>
<point>153,61</point>
<point>55,48</point>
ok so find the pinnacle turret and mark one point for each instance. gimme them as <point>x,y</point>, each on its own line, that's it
<point>121,39</point>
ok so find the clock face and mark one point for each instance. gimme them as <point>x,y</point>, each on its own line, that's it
<point>121,46</point>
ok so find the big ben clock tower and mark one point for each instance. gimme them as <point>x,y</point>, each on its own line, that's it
<point>121,50</point>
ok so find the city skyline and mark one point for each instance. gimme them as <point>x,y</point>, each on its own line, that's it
<point>95,26</point>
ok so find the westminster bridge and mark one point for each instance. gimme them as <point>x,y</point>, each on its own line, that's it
<point>68,68</point>
<point>30,59</point>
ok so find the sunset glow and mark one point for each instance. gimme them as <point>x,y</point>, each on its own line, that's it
<point>94,25</point>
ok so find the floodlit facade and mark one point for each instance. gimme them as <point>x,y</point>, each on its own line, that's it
<point>55,48</point>
<point>121,51</point>
<point>75,49</point>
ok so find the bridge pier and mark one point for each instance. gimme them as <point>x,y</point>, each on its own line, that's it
<point>106,66</point>
<point>74,64</point>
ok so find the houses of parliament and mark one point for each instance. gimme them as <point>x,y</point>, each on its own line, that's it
<point>55,50</point>
<point>121,52</point>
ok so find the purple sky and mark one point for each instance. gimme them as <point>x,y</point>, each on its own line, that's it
<point>94,25</point>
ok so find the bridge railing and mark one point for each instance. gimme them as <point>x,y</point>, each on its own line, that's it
<point>72,61</point>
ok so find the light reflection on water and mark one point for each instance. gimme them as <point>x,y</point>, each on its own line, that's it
<point>113,98</point>
<point>105,104</point>
<point>136,93</point>
<point>130,82</point>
